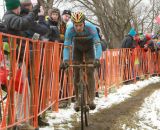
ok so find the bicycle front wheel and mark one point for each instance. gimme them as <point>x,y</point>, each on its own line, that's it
<point>84,107</point>
<point>86,115</point>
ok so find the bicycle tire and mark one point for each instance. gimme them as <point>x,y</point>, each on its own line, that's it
<point>82,105</point>
<point>86,117</point>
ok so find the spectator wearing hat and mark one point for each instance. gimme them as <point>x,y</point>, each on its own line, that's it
<point>128,41</point>
<point>66,15</point>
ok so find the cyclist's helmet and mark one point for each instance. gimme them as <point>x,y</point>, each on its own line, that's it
<point>77,17</point>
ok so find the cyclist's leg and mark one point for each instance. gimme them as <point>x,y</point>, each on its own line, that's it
<point>76,81</point>
<point>77,59</point>
<point>91,81</point>
<point>91,87</point>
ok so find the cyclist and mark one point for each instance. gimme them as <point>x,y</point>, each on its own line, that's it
<point>83,36</point>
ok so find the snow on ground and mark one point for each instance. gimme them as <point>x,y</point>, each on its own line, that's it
<point>149,113</point>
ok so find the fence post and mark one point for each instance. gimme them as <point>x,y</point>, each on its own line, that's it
<point>56,74</point>
<point>36,77</point>
<point>11,89</point>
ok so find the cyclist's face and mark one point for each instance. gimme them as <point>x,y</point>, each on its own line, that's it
<point>79,27</point>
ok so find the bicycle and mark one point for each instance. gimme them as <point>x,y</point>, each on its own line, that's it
<point>83,94</point>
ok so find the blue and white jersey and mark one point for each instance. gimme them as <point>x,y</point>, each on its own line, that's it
<point>89,31</point>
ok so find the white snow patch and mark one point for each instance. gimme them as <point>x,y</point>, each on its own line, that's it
<point>149,114</point>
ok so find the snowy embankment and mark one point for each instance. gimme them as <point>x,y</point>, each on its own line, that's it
<point>64,118</point>
<point>149,114</point>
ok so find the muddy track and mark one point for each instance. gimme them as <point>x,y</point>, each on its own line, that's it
<point>123,113</point>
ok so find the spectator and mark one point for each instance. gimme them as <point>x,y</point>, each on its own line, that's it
<point>147,43</point>
<point>54,24</point>
<point>128,41</point>
<point>26,5</point>
<point>66,15</point>
<point>39,27</point>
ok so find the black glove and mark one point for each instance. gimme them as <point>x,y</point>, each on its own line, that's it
<point>64,65</point>
<point>36,10</point>
<point>96,63</point>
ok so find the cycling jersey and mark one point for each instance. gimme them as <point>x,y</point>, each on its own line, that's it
<point>89,31</point>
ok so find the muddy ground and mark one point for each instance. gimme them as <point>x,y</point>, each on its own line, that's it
<point>124,113</point>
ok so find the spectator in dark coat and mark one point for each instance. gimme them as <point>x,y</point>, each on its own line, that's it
<point>128,41</point>
<point>12,20</point>
<point>39,27</point>
<point>16,24</point>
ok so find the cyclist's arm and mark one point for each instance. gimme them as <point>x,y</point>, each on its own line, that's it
<point>67,43</point>
<point>98,50</point>
<point>96,40</point>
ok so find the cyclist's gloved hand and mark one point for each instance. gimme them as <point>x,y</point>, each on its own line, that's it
<point>64,65</point>
<point>96,63</point>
